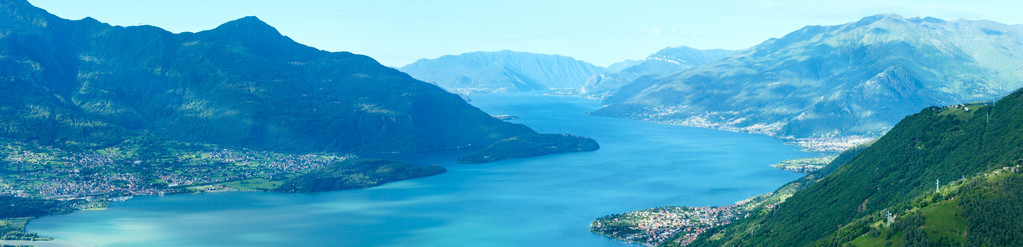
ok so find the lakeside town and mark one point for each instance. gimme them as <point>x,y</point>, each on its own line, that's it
<point>680,224</point>
<point>727,122</point>
<point>33,170</point>
<point>653,226</point>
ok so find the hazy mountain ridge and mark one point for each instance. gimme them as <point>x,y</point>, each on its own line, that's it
<point>619,66</point>
<point>665,62</point>
<point>855,79</point>
<point>502,71</point>
<point>88,84</point>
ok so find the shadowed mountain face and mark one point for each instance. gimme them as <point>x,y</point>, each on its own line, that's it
<point>858,78</point>
<point>85,83</point>
<point>502,71</point>
<point>665,62</point>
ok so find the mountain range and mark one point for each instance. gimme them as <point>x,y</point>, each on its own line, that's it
<point>87,84</point>
<point>665,62</point>
<point>823,84</point>
<point>502,71</point>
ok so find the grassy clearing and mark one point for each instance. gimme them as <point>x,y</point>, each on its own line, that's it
<point>254,184</point>
<point>944,219</point>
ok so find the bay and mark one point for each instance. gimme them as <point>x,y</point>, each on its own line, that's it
<point>540,201</point>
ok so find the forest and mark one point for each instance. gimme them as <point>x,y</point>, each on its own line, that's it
<point>939,143</point>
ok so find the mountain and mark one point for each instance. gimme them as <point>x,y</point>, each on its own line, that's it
<point>619,66</point>
<point>87,84</point>
<point>502,71</point>
<point>973,151</point>
<point>665,62</point>
<point>822,83</point>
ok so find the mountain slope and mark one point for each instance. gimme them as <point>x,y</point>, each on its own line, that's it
<point>983,210</point>
<point>243,84</point>
<point>665,62</point>
<point>943,144</point>
<point>856,79</point>
<point>502,71</point>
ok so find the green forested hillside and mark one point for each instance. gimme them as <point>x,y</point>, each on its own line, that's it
<point>89,110</point>
<point>243,84</point>
<point>982,210</point>
<point>939,143</point>
<point>354,174</point>
<point>16,211</point>
<point>530,145</point>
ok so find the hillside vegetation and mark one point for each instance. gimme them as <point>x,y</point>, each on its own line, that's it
<point>86,84</point>
<point>354,174</point>
<point>938,144</point>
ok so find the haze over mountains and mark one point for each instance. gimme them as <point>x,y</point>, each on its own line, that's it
<point>502,71</point>
<point>85,85</point>
<point>856,79</point>
<point>945,176</point>
<point>511,71</point>
<point>665,62</point>
<point>88,84</point>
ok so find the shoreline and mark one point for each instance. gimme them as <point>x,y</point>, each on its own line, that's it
<point>105,205</point>
<point>819,145</point>
<point>50,243</point>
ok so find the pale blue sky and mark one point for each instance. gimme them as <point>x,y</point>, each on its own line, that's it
<point>398,32</point>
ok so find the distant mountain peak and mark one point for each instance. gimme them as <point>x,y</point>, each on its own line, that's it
<point>927,19</point>
<point>5,3</point>
<point>880,17</point>
<point>502,71</point>
<point>258,88</point>
<point>864,76</point>
<point>15,12</point>
<point>248,22</point>
<point>246,26</point>
<point>664,62</point>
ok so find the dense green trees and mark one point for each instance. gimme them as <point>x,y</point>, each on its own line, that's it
<point>531,145</point>
<point>356,173</point>
<point>15,212</point>
<point>936,144</point>
<point>88,84</point>
<point>994,212</point>
<point>14,207</point>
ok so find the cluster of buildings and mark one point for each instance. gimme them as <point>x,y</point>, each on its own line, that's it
<point>653,226</point>
<point>54,173</point>
<point>830,144</point>
<point>731,121</point>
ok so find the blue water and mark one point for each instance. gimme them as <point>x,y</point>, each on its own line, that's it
<point>541,201</point>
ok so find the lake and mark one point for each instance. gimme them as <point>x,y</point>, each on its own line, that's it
<point>540,201</point>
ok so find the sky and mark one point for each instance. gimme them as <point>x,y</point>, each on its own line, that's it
<point>399,32</point>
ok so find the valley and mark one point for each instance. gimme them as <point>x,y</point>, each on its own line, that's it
<point>94,113</point>
<point>828,88</point>
<point>502,72</point>
<point>881,130</point>
<point>971,140</point>
<point>530,201</point>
